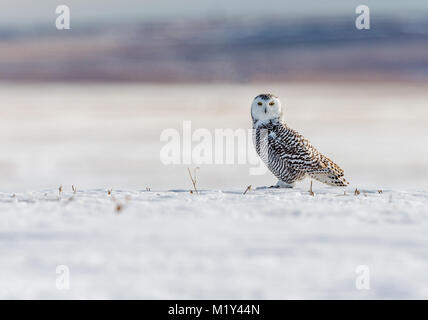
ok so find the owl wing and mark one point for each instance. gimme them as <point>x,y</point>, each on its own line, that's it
<point>292,147</point>
<point>301,155</point>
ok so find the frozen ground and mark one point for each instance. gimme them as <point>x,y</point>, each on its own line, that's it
<point>265,244</point>
<point>218,244</point>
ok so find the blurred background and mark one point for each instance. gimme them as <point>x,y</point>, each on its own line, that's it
<point>86,106</point>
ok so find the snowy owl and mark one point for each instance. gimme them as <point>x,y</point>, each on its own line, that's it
<point>287,154</point>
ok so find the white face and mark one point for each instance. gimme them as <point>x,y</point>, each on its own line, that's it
<point>266,107</point>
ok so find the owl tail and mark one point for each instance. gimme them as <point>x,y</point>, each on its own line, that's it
<point>330,178</point>
<point>329,173</point>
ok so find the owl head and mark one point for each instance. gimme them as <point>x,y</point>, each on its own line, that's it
<point>266,107</point>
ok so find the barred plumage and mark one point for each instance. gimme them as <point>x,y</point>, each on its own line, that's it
<point>287,154</point>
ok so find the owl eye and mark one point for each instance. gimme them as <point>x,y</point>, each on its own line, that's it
<point>271,103</point>
<point>259,103</point>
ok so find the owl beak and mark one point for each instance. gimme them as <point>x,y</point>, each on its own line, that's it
<point>265,110</point>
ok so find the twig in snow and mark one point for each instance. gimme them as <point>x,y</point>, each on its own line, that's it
<point>356,192</point>
<point>117,205</point>
<point>248,189</point>
<point>193,179</point>
<point>310,190</point>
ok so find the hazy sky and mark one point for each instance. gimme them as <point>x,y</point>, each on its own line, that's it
<point>28,12</point>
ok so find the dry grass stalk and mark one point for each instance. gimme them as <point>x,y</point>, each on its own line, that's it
<point>73,188</point>
<point>310,190</point>
<point>60,189</point>
<point>117,205</point>
<point>193,179</point>
<point>248,189</point>
<point>356,192</point>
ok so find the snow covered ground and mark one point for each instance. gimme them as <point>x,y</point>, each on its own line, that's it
<point>218,244</point>
<point>267,244</point>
